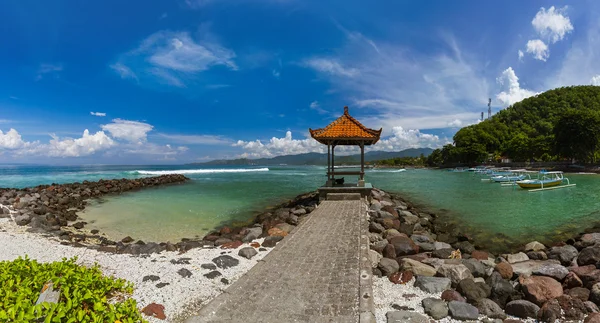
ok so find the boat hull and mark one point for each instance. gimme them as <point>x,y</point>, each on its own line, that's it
<point>506,179</point>
<point>538,184</point>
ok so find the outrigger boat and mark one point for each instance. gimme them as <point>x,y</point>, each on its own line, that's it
<point>508,176</point>
<point>458,170</point>
<point>545,181</point>
<point>516,175</point>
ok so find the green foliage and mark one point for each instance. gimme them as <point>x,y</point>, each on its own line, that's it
<point>576,134</point>
<point>560,123</point>
<point>402,161</point>
<point>84,293</point>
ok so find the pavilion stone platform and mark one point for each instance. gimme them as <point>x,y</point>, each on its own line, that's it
<point>345,131</point>
<point>345,192</point>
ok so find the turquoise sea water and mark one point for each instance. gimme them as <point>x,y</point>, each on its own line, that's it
<point>492,214</point>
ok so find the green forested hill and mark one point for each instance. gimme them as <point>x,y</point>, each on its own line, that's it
<point>559,124</point>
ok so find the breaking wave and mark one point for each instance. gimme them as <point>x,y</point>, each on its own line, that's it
<point>199,171</point>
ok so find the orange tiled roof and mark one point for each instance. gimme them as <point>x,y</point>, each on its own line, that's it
<point>346,127</point>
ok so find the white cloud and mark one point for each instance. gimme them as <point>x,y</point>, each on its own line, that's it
<point>152,149</point>
<point>401,87</point>
<point>45,69</point>
<point>376,103</point>
<point>412,138</point>
<point>456,123</point>
<point>512,92</point>
<point>56,147</point>
<point>132,131</point>
<point>88,144</point>
<point>124,71</point>
<point>98,114</point>
<point>317,107</point>
<point>538,49</point>
<point>179,52</point>
<point>595,80</point>
<point>553,24</point>
<point>276,73</point>
<point>399,140</point>
<point>279,146</point>
<point>330,66</point>
<point>11,140</point>
<point>84,146</point>
<point>521,55</point>
<point>173,58</point>
<point>166,77</point>
<point>582,60</point>
<point>196,139</point>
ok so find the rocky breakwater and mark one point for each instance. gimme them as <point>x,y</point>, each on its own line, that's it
<point>545,283</point>
<point>53,208</point>
<point>273,225</point>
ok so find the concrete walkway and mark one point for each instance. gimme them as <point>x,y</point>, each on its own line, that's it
<point>313,275</point>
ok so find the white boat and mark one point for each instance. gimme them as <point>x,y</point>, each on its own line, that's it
<point>513,176</point>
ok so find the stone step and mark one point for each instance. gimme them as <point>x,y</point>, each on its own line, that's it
<point>343,196</point>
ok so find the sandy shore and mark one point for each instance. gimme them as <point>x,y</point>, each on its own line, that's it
<point>180,297</point>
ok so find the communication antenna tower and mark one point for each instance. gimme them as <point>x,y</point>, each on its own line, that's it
<point>489,108</point>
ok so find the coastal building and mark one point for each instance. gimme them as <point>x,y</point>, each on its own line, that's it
<point>345,131</point>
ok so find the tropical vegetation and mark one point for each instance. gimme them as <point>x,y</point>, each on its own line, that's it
<point>85,294</point>
<point>402,161</point>
<point>558,125</point>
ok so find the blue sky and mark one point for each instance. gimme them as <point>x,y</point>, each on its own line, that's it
<point>191,80</point>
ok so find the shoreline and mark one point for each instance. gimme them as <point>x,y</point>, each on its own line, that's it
<point>61,210</point>
<point>422,243</point>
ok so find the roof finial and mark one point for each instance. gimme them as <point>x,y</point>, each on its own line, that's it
<point>346,110</point>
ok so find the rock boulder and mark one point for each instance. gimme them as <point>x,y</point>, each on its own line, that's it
<point>490,309</point>
<point>540,289</point>
<point>522,308</point>
<point>534,246</point>
<point>564,254</point>
<point>556,271</point>
<point>404,246</point>
<point>589,256</point>
<point>473,291</point>
<point>432,285</point>
<point>418,268</point>
<point>455,273</point>
<point>463,311</point>
<point>436,308</point>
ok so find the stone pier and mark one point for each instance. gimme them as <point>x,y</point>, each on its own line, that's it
<point>318,273</point>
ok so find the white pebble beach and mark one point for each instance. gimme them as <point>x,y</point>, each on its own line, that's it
<point>180,297</point>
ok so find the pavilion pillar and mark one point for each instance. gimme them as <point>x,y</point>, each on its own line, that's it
<point>361,181</point>
<point>329,181</point>
<point>332,162</point>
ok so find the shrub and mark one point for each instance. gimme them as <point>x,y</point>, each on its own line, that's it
<point>85,294</point>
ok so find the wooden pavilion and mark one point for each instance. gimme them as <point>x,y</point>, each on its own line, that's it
<point>345,131</point>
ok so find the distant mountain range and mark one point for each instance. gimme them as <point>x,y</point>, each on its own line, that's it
<point>321,159</point>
